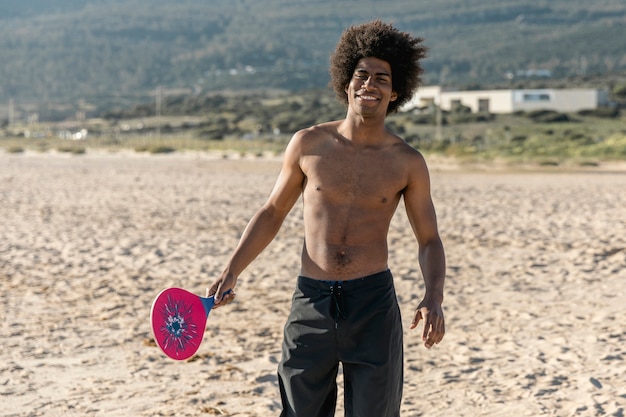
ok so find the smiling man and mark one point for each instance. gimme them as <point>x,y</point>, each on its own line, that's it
<point>351,174</point>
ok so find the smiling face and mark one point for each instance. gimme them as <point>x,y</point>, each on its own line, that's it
<point>370,89</point>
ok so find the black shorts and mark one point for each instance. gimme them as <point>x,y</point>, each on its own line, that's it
<point>355,322</point>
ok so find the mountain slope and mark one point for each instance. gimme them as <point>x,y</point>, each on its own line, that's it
<point>105,51</point>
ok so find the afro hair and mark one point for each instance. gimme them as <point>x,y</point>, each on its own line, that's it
<point>380,40</point>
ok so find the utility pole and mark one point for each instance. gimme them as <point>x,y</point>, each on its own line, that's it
<point>11,113</point>
<point>159,97</point>
<point>439,116</point>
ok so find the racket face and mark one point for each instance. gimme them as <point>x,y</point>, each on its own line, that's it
<point>178,321</point>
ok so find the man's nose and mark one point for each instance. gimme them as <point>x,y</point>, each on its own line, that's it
<point>368,82</point>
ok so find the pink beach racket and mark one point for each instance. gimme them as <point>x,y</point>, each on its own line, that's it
<point>178,321</point>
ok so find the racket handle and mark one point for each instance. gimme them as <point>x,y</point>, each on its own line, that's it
<point>209,302</point>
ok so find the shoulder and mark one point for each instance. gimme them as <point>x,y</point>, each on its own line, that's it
<point>309,141</point>
<point>408,155</point>
<point>312,137</point>
<point>317,132</point>
<point>412,161</point>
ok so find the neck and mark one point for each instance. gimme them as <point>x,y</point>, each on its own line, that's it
<point>361,129</point>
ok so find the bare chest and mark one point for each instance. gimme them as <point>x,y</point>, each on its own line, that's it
<point>363,177</point>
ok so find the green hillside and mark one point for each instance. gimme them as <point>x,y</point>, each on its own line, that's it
<point>101,54</point>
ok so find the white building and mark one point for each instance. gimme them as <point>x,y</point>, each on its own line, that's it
<point>510,101</point>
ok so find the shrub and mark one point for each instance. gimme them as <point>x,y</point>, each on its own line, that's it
<point>579,137</point>
<point>464,117</point>
<point>212,133</point>
<point>548,163</point>
<point>161,149</point>
<point>603,112</point>
<point>547,116</point>
<point>15,149</point>
<point>424,119</point>
<point>620,91</point>
<point>75,150</point>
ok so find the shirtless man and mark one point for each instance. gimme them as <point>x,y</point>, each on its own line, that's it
<point>351,174</point>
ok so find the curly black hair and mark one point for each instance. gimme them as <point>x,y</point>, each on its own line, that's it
<point>380,40</point>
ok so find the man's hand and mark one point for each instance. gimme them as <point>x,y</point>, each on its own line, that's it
<point>224,283</point>
<point>434,323</point>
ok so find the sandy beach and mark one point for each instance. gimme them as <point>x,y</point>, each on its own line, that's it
<point>536,283</point>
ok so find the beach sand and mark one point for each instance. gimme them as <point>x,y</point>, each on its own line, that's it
<point>536,319</point>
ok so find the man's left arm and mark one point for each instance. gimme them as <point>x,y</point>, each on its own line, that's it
<point>421,213</point>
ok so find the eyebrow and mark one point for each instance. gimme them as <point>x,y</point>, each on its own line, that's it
<point>361,70</point>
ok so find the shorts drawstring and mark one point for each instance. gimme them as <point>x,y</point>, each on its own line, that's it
<point>337,295</point>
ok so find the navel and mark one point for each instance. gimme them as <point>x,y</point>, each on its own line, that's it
<point>342,258</point>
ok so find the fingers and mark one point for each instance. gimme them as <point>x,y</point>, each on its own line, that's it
<point>220,298</point>
<point>222,290</point>
<point>427,333</point>
<point>227,298</point>
<point>434,330</point>
<point>212,291</point>
<point>218,293</point>
<point>434,326</point>
<point>416,319</point>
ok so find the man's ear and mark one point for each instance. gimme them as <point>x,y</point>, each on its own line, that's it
<point>394,96</point>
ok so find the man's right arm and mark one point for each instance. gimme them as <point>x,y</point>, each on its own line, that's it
<point>266,222</point>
